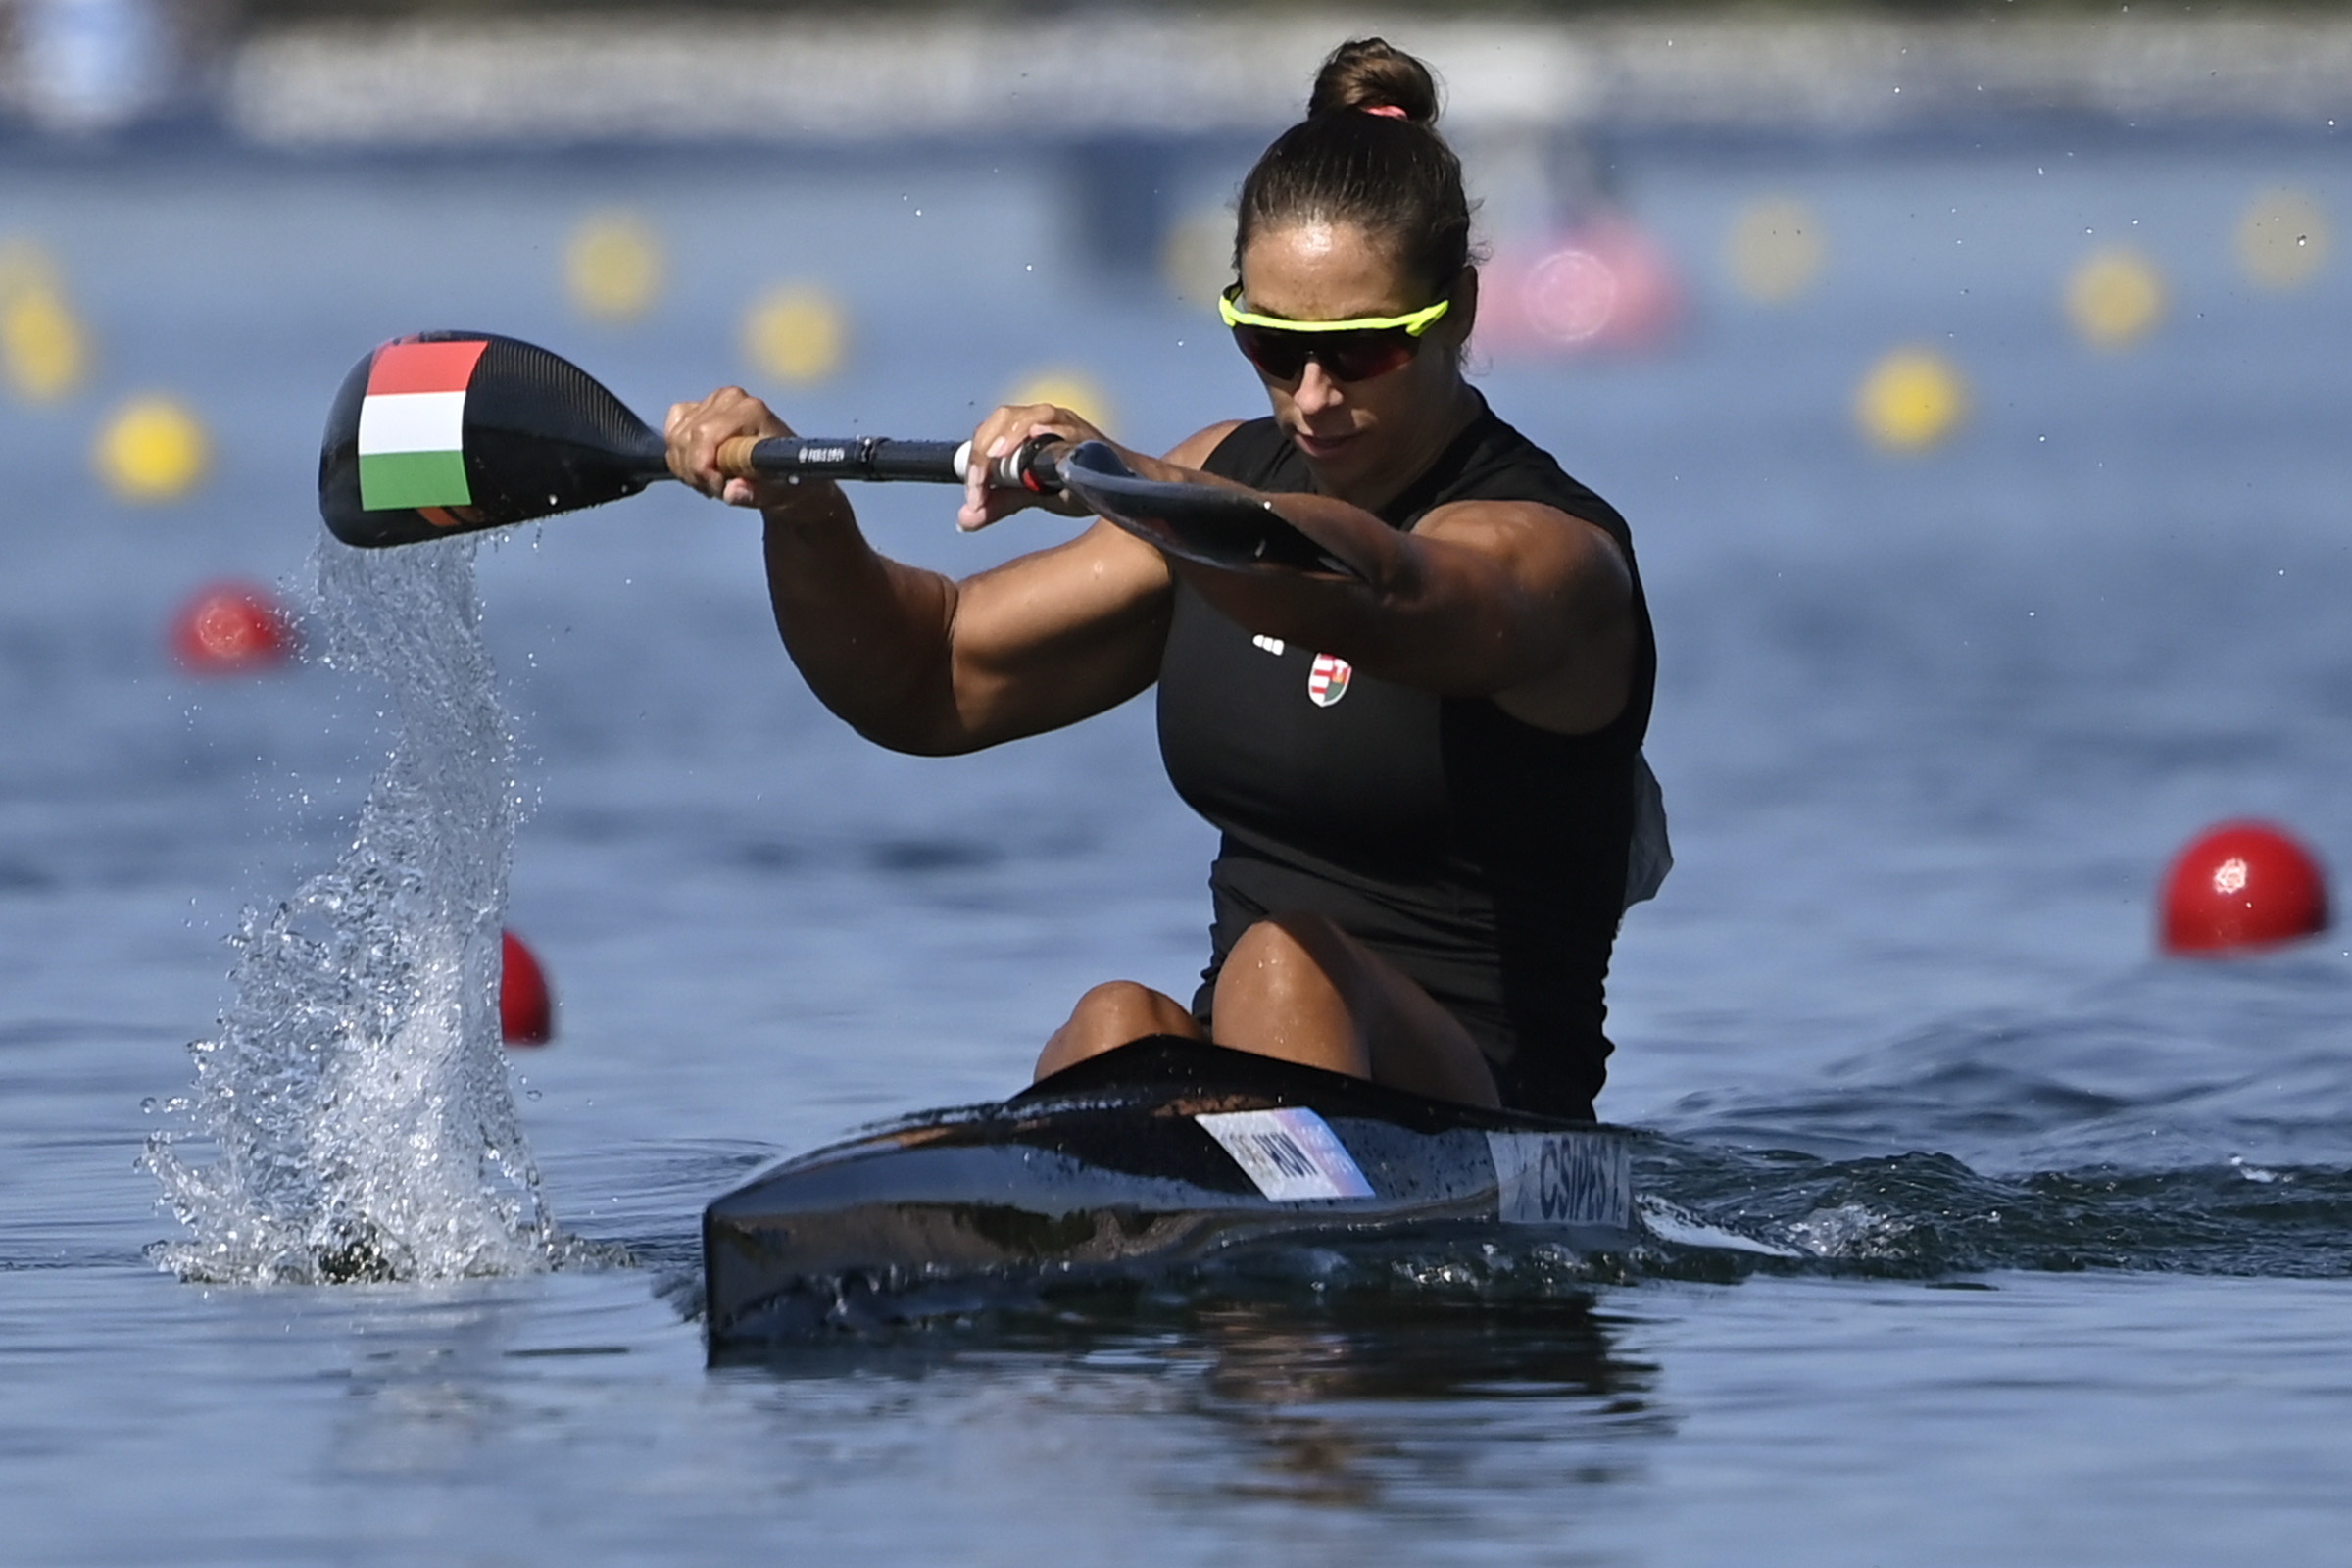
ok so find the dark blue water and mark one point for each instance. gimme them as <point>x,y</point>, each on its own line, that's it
<point>2042,1251</point>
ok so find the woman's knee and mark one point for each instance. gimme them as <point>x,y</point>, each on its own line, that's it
<point>1291,939</point>
<point>1299,987</point>
<point>1109,1016</point>
<point>1287,951</point>
<point>1288,990</point>
<point>1116,1004</point>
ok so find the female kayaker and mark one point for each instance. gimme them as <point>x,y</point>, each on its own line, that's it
<point>1427,780</point>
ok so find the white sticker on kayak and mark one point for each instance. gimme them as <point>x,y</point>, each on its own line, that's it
<point>1562,1179</point>
<point>1291,1153</point>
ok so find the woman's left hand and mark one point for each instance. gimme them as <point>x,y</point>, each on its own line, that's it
<point>1004,431</point>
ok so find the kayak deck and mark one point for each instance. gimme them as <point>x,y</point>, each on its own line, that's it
<point>1162,1154</point>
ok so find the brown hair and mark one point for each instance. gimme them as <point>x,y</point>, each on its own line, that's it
<point>1356,159</point>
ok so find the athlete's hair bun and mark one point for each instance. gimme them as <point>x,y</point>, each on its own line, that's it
<point>1351,160</point>
<point>1366,74</point>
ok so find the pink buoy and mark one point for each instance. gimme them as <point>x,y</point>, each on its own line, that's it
<point>2243,885</point>
<point>526,1011</point>
<point>231,629</point>
<point>1604,285</point>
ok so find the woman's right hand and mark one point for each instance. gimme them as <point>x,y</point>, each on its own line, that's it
<point>1004,431</point>
<point>696,430</point>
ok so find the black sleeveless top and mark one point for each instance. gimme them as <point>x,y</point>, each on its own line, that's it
<point>1480,856</point>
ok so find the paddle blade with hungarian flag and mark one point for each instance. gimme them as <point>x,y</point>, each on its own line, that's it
<point>449,432</point>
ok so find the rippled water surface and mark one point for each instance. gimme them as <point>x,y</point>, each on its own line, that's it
<point>1983,1235</point>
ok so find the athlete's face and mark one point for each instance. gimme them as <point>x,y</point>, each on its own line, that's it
<point>1362,438</point>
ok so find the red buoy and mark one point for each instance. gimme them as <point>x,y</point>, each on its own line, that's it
<point>232,628</point>
<point>526,1012</point>
<point>2243,885</point>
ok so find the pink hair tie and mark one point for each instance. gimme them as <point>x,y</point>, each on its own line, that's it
<point>1390,111</point>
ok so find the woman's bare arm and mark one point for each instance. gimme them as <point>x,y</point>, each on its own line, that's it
<point>919,662</point>
<point>916,661</point>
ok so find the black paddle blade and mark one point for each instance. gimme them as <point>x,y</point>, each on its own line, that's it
<point>447,432</point>
<point>1193,522</point>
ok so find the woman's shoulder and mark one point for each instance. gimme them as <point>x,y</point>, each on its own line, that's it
<point>1255,453</point>
<point>1498,463</point>
<point>1193,450</point>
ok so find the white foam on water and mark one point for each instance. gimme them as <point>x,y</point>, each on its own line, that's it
<point>1671,1222</point>
<point>2253,1173</point>
<point>356,1090</point>
<point>1850,1231</point>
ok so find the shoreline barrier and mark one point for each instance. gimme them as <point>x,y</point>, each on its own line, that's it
<point>656,77</point>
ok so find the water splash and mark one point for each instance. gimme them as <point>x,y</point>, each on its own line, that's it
<point>357,1089</point>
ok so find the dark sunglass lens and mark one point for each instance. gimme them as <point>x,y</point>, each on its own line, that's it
<point>1281,355</point>
<point>1344,356</point>
<point>1362,356</point>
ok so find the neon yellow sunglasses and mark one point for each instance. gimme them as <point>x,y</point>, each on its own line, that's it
<point>1354,350</point>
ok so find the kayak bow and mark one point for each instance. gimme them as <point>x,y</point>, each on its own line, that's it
<point>1163,1154</point>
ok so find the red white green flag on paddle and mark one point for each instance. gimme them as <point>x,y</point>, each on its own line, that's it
<point>413,427</point>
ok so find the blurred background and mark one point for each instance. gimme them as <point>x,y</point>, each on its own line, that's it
<point>1975,378</point>
<point>1873,318</point>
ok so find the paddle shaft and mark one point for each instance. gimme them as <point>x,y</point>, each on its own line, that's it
<point>1034,466</point>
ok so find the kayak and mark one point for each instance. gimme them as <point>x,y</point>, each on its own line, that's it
<point>1164,1154</point>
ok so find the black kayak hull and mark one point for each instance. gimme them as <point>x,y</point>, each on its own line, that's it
<point>1161,1153</point>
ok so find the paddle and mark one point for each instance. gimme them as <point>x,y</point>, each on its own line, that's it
<point>451,432</point>
<point>1229,528</point>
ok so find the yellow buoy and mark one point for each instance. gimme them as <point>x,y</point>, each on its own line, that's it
<point>1773,251</point>
<point>796,333</point>
<point>1073,390</point>
<point>1197,260</point>
<point>613,267</point>
<point>153,449</point>
<point>2282,240</point>
<point>1911,400</point>
<point>44,350</point>
<point>42,345</point>
<point>2115,298</point>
